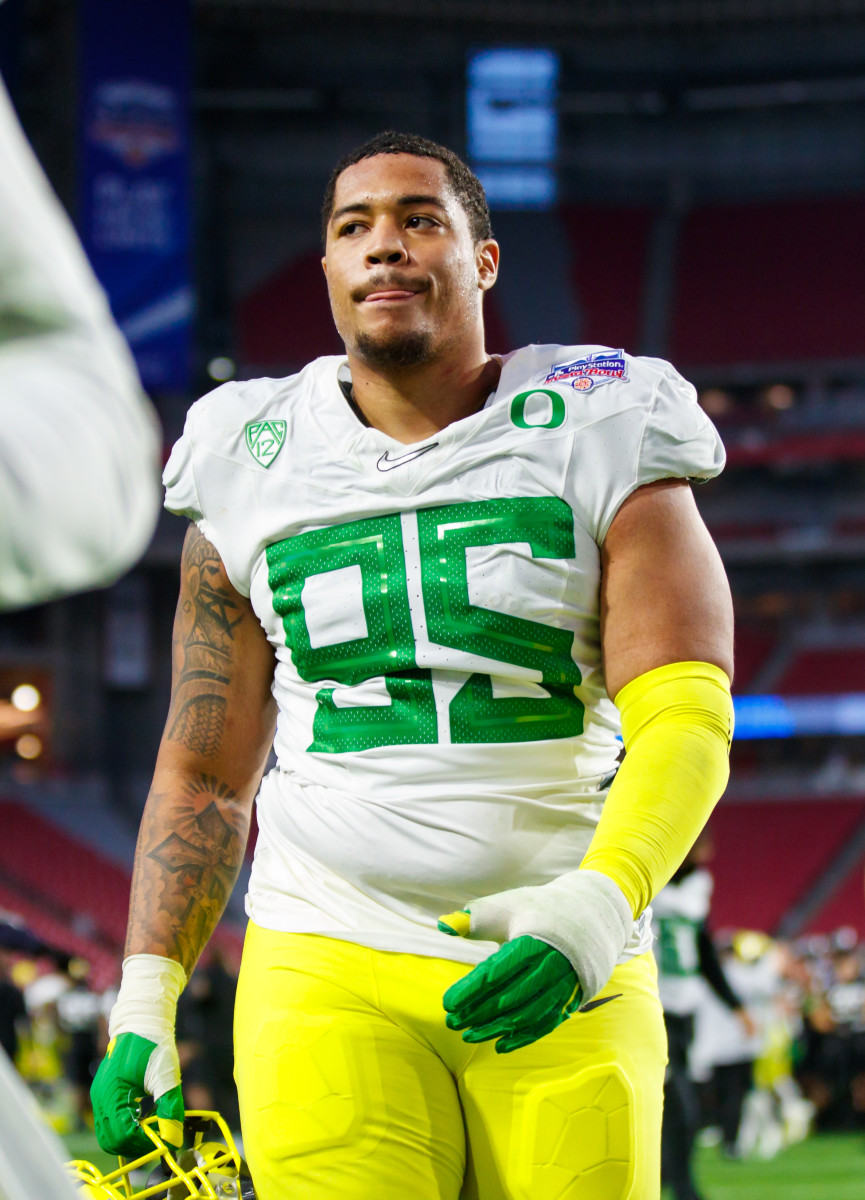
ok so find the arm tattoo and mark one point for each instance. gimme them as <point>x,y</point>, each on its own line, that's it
<point>207,617</point>
<point>185,869</point>
<point>199,724</point>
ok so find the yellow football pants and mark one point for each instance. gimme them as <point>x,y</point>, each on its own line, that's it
<point>352,1088</point>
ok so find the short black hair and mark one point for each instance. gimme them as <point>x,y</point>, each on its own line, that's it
<point>466,186</point>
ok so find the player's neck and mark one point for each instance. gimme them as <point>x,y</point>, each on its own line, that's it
<point>412,404</point>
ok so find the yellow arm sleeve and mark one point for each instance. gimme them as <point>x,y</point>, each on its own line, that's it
<point>677,724</point>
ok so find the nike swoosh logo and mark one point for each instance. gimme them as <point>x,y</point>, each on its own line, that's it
<point>386,463</point>
<point>597,1003</point>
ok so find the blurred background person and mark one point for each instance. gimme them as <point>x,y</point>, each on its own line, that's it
<point>748,1093</point>
<point>79,1011</point>
<point>833,1065</point>
<point>13,1010</point>
<point>205,1044</point>
<point>686,956</point>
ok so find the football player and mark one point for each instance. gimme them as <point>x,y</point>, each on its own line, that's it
<point>687,961</point>
<point>431,571</point>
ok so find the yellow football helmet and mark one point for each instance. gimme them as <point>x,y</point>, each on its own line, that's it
<point>208,1167</point>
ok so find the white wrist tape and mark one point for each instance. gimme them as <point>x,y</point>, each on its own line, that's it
<point>147,1006</point>
<point>582,914</point>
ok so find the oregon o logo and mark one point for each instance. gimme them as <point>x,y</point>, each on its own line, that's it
<point>545,404</point>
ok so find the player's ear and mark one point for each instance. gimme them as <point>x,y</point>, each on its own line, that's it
<point>487,263</point>
<point>324,265</point>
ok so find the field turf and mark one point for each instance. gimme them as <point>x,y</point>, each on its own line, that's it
<point>84,1145</point>
<point>828,1167</point>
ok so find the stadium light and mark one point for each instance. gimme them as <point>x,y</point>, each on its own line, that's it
<point>221,368</point>
<point>28,746</point>
<point>26,697</point>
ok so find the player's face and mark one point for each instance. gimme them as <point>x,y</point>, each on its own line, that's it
<point>404,274</point>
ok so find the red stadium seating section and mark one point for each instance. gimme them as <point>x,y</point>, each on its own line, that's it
<point>57,933</point>
<point>768,853</point>
<point>69,895</point>
<point>844,907</point>
<point>823,672</point>
<point>770,282</point>
<point>753,531</point>
<point>753,645</point>
<point>853,526</point>
<point>287,318</point>
<point>45,862</point>
<point>608,255</point>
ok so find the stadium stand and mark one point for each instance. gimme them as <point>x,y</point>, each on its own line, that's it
<point>798,262</point>
<point>824,671</point>
<point>609,247</point>
<point>754,643</point>
<point>842,906</point>
<point>38,856</point>
<point>70,895</point>
<point>286,319</point>
<point>768,854</point>
<point>56,931</point>
<point>787,450</point>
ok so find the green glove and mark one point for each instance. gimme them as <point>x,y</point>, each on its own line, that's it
<point>519,994</point>
<point>117,1092</point>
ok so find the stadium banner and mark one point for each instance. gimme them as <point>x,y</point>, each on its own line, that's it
<point>134,175</point>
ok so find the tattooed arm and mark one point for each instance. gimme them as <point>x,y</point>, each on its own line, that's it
<point>218,733</point>
<point>217,737</point>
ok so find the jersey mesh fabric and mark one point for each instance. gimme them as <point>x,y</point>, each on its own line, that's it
<point>444,728</point>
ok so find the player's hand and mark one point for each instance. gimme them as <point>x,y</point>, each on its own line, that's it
<point>522,992</point>
<point>141,1058</point>
<point>133,1067</point>
<point>561,941</point>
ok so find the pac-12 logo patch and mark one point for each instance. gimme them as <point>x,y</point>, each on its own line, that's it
<point>588,372</point>
<point>265,440</point>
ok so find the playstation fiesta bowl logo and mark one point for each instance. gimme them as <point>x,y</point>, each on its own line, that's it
<point>590,371</point>
<point>137,121</point>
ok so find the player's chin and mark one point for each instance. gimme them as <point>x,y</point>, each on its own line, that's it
<point>394,347</point>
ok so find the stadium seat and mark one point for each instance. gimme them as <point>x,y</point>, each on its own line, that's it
<point>768,853</point>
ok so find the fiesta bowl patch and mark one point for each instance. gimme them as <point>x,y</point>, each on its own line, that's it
<point>590,371</point>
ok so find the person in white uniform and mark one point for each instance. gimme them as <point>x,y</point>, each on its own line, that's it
<point>423,571</point>
<point>687,962</point>
<point>79,453</point>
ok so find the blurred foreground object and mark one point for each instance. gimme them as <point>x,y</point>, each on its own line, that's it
<point>79,481</point>
<point>30,1154</point>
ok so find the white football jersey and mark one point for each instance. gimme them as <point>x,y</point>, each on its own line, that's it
<point>679,911</point>
<point>444,728</point>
